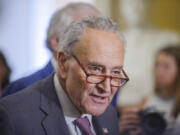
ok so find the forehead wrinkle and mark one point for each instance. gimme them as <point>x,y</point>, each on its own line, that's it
<point>102,65</point>
<point>88,36</point>
<point>80,47</point>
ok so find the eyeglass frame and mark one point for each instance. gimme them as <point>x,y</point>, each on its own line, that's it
<point>105,76</point>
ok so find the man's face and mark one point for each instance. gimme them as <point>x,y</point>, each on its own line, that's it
<point>99,52</point>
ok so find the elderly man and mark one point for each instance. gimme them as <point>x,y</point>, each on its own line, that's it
<point>59,21</point>
<point>76,99</point>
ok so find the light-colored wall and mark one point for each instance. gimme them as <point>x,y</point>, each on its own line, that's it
<point>104,6</point>
<point>15,37</point>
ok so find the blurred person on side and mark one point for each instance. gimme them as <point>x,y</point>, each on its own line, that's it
<point>5,72</point>
<point>59,21</point>
<point>166,97</point>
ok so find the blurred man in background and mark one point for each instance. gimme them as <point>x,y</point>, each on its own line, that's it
<point>59,21</point>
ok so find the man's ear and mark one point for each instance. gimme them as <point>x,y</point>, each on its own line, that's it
<point>62,64</point>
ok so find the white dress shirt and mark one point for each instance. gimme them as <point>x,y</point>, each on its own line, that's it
<point>70,111</point>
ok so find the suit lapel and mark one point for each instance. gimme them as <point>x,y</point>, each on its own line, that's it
<point>100,130</point>
<point>54,122</point>
<point>97,126</point>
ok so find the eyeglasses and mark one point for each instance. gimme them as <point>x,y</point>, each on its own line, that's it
<point>96,79</point>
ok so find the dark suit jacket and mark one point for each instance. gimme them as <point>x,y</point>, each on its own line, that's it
<point>28,80</point>
<point>36,111</point>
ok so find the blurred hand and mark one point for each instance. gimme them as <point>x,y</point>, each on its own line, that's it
<point>129,121</point>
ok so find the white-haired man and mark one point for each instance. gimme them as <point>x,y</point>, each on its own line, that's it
<point>76,99</point>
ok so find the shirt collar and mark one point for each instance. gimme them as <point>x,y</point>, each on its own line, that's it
<point>70,111</point>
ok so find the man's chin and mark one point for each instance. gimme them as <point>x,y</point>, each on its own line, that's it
<point>96,110</point>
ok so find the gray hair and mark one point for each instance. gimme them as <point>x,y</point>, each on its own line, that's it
<point>73,33</point>
<point>65,16</point>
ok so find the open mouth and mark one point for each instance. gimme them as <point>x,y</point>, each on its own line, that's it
<point>99,99</point>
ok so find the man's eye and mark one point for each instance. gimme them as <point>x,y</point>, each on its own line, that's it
<point>95,69</point>
<point>116,73</point>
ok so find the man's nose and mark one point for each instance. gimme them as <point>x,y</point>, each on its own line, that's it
<point>105,85</point>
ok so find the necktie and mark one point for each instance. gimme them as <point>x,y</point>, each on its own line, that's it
<point>84,126</point>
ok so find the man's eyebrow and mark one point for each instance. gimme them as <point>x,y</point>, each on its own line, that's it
<point>100,65</point>
<point>95,64</point>
<point>118,67</point>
